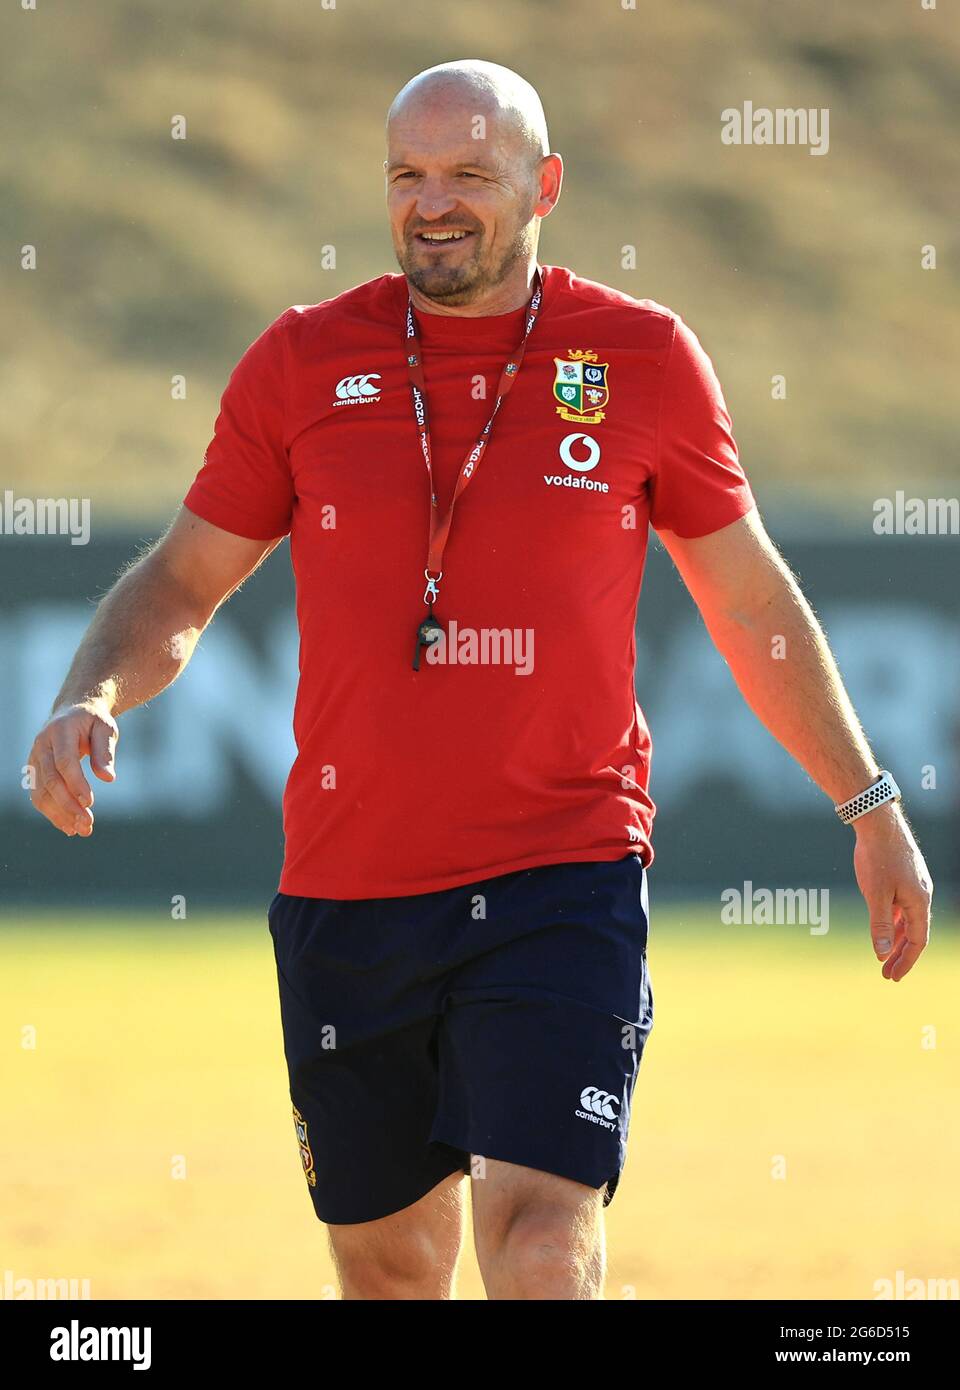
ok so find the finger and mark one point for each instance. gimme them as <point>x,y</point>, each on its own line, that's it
<point>906,960</point>
<point>882,929</point>
<point>914,914</point>
<point>53,784</point>
<point>891,961</point>
<point>46,805</point>
<point>915,926</point>
<point>103,744</point>
<point>81,824</point>
<point>66,759</point>
<point>899,941</point>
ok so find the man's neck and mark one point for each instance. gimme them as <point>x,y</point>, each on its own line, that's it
<point>511,294</point>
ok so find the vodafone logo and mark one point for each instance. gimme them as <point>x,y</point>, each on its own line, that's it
<point>581,454</point>
<point>358,390</point>
<point>580,465</point>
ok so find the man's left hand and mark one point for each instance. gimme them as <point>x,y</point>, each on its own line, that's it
<point>896,886</point>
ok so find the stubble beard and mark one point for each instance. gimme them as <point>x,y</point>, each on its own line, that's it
<point>465,283</point>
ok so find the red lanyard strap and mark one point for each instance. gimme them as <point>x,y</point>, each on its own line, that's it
<point>440,525</point>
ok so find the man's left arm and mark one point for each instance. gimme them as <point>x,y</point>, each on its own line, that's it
<point>767,633</point>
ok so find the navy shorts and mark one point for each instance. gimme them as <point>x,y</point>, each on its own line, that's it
<point>504,1019</point>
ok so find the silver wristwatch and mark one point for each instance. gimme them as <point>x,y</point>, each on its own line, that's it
<point>881,791</point>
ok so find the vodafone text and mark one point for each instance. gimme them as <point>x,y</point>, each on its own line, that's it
<point>569,480</point>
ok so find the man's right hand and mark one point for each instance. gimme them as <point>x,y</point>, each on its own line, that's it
<point>142,636</point>
<point>59,789</point>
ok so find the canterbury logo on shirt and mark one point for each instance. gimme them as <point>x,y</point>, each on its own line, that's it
<point>357,390</point>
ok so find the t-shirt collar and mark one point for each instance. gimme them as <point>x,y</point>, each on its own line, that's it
<point>492,330</point>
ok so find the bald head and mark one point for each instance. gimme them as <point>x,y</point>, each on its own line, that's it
<point>483,89</point>
<point>469,177</point>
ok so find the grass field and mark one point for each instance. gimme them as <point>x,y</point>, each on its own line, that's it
<point>154,1042</point>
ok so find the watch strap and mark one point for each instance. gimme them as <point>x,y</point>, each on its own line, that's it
<point>879,793</point>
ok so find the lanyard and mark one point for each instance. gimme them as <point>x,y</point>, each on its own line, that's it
<point>429,631</point>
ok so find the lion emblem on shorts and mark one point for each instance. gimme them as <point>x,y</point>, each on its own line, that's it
<point>306,1154</point>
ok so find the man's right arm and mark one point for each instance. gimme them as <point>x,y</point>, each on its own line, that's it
<point>142,636</point>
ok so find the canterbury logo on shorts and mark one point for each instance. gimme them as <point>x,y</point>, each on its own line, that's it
<point>599,1103</point>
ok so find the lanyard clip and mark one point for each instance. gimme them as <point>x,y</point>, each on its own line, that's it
<point>432,590</point>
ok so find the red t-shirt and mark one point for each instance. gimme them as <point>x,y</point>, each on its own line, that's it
<point>525,745</point>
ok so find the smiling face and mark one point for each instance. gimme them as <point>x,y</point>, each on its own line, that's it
<point>464,211</point>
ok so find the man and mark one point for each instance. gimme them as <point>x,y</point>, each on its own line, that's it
<point>461,925</point>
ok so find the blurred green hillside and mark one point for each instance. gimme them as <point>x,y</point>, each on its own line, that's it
<point>158,257</point>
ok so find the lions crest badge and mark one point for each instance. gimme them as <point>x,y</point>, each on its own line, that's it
<point>581,387</point>
<point>306,1155</point>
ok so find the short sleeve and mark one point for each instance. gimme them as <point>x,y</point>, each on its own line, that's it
<point>698,485</point>
<point>245,484</point>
